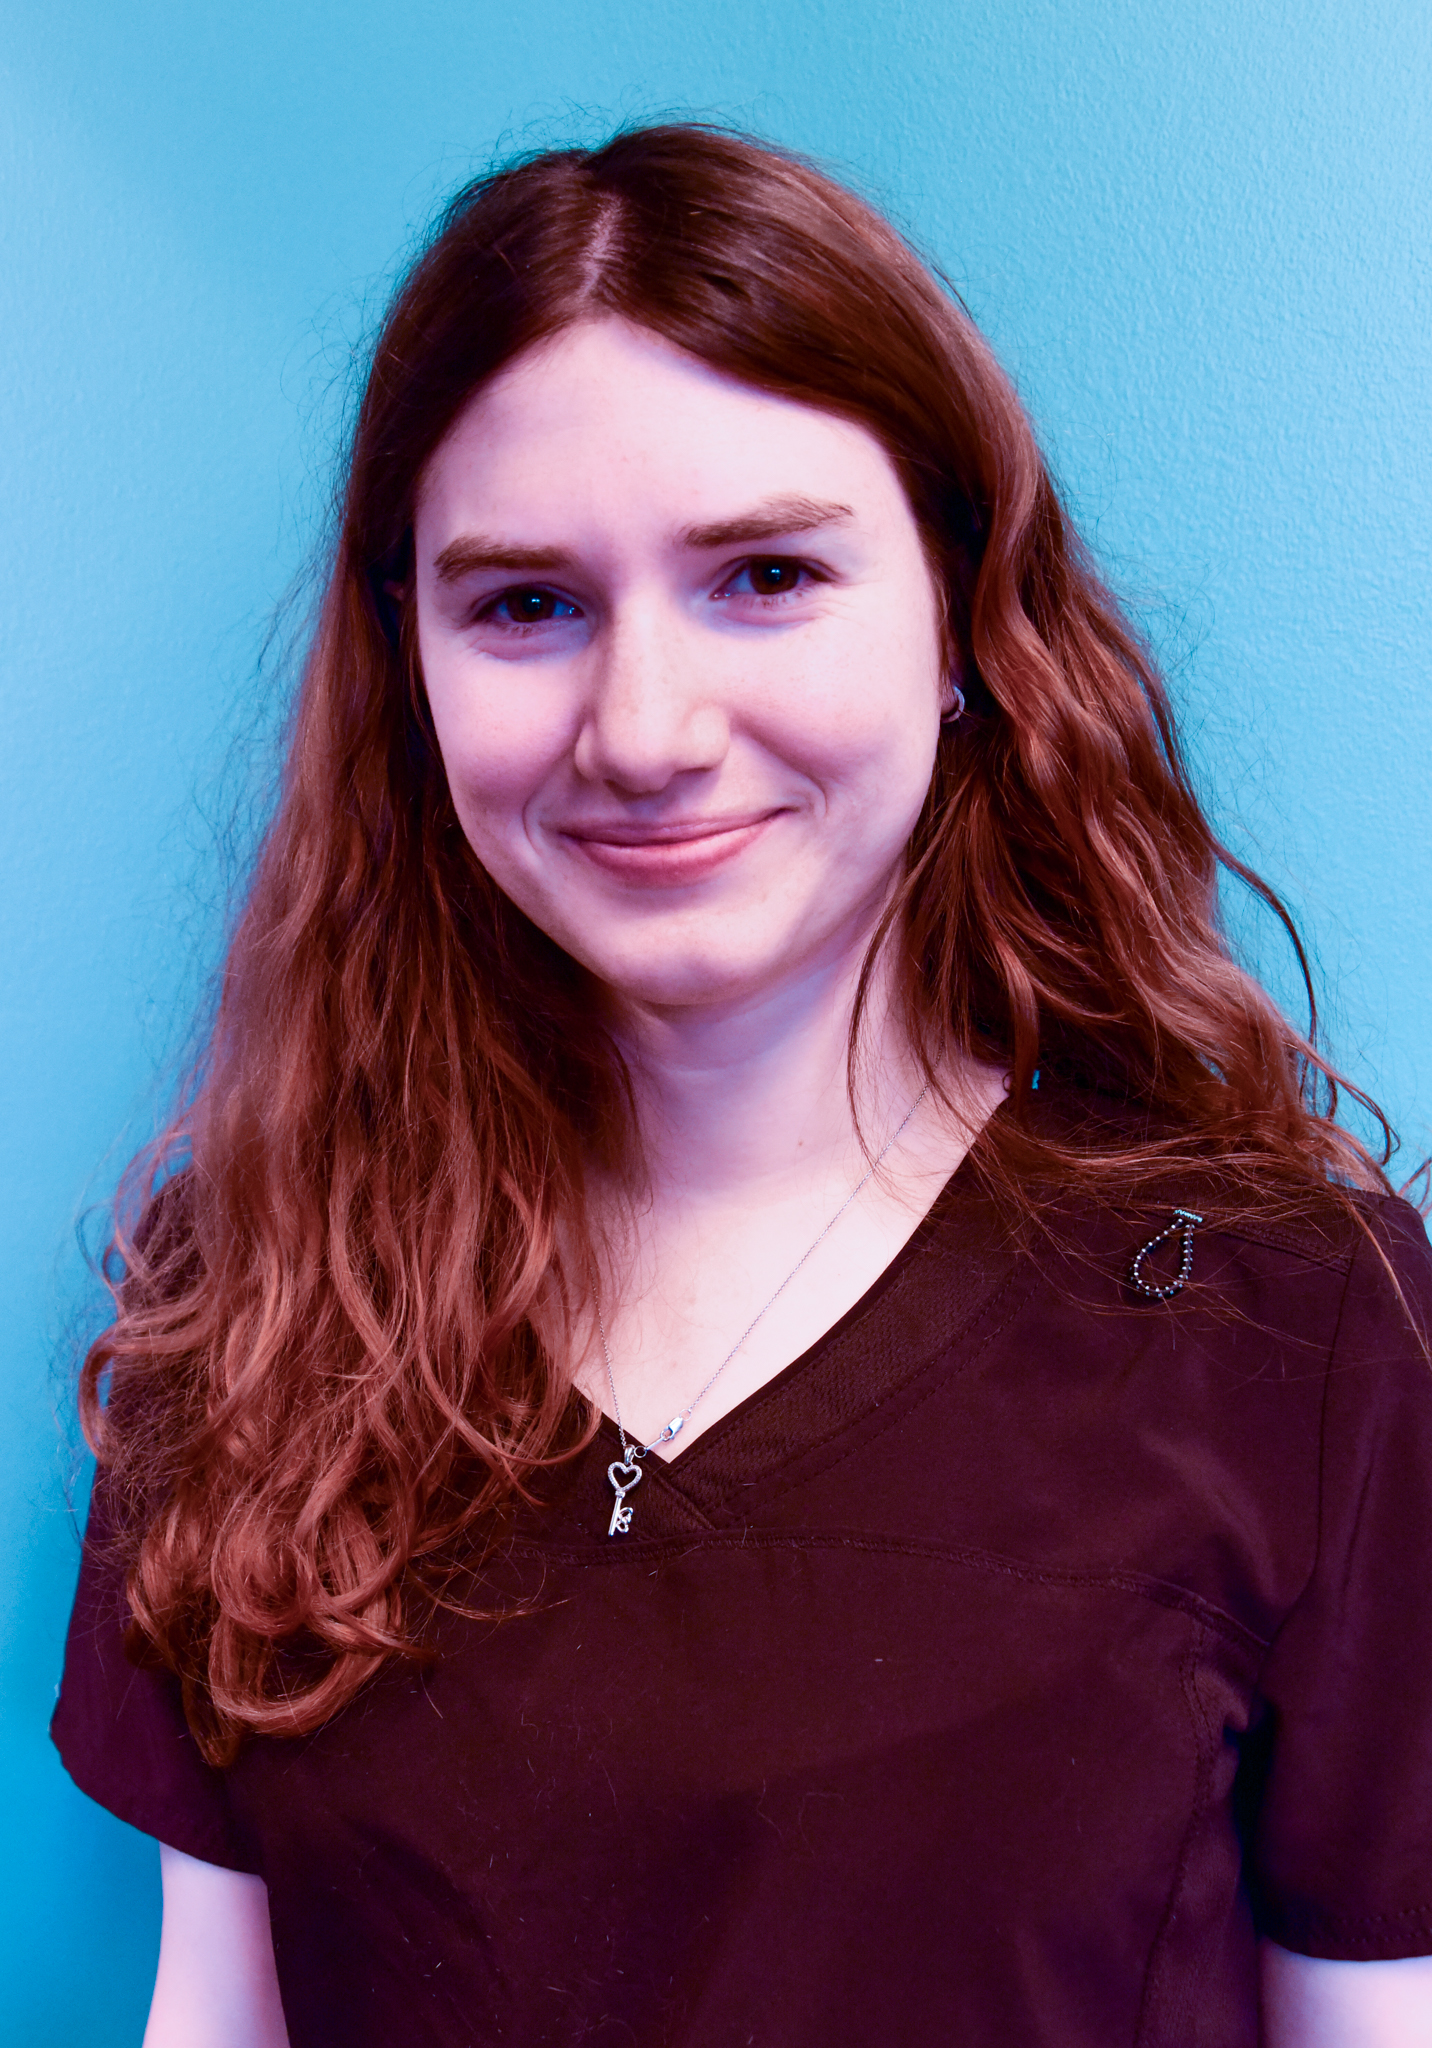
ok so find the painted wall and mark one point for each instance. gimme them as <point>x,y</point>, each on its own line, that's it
<point>1199,236</point>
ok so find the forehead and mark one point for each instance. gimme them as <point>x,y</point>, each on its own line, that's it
<point>607,412</point>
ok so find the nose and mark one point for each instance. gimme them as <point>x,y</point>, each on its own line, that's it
<point>653,709</point>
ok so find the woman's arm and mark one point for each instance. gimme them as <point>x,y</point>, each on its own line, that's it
<point>216,1986</point>
<point>1312,2003</point>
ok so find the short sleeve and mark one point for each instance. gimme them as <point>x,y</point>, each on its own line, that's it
<point>121,1731</point>
<point>1341,1849</point>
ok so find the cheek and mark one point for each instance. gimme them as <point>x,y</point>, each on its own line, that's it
<point>866,732</point>
<point>499,745</point>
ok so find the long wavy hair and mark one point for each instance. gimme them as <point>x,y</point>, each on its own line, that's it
<point>340,1333</point>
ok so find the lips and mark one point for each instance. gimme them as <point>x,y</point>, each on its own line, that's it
<point>675,851</point>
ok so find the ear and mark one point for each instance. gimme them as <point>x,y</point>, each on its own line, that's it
<point>390,581</point>
<point>952,700</point>
<point>389,597</point>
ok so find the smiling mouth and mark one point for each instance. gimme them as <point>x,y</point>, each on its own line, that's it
<point>678,851</point>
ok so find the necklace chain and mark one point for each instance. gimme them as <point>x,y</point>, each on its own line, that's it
<point>632,1451</point>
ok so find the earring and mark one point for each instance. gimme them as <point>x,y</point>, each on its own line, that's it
<point>957,709</point>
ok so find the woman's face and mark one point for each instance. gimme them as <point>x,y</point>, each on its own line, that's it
<point>681,648</point>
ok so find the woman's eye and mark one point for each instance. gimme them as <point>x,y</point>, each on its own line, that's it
<point>526,606</point>
<point>769,576</point>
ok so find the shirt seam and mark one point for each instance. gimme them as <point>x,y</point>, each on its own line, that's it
<point>1324,1418</point>
<point>1352,1920</point>
<point>1142,1585</point>
<point>1202,1733</point>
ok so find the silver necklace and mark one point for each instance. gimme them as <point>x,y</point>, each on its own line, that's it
<point>625,1473</point>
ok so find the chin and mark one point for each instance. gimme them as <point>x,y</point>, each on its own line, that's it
<point>678,981</point>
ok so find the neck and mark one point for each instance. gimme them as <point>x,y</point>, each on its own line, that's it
<point>753,1153</point>
<point>755,1095</point>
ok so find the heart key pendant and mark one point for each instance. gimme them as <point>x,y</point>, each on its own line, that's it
<point>623,1478</point>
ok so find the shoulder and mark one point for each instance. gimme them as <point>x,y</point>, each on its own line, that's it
<point>140,1371</point>
<point>163,1231</point>
<point>155,1262</point>
<point>1254,1232</point>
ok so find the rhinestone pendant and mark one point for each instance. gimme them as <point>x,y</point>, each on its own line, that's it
<point>1182,1225</point>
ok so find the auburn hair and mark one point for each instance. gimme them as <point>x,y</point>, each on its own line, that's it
<point>339,1333</point>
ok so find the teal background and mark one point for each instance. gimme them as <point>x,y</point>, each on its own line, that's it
<point>1199,236</point>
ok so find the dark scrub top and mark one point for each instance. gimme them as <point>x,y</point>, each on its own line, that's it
<point>995,1674</point>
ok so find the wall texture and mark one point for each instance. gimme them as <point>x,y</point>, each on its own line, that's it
<point>1199,237</point>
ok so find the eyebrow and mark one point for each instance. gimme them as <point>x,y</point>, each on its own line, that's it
<point>769,520</point>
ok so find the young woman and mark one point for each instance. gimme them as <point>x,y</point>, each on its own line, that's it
<point>769,1408</point>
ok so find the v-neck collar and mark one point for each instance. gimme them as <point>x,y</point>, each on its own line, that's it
<point>943,1281</point>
